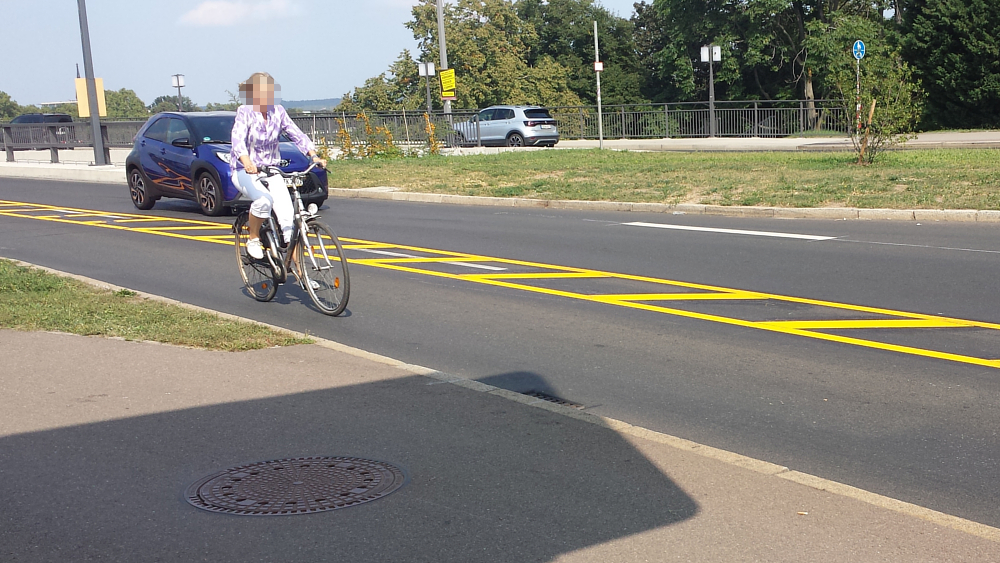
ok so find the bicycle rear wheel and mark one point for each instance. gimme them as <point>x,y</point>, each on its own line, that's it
<point>322,261</point>
<point>258,275</point>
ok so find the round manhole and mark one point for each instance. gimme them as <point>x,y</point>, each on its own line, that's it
<point>295,486</point>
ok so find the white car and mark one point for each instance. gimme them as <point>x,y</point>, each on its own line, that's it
<point>510,126</point>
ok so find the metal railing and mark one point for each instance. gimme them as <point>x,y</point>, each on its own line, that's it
<point>409,128</point>
<point>755,118</point>
<point>62,136</point>
<point>759,118</point>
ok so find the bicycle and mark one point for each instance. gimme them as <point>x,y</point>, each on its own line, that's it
<point>322,265</point>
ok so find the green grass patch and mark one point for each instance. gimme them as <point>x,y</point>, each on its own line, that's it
<point>31,299</point>
<point>922,179</point>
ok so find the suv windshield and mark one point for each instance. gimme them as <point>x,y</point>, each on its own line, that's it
<point>215,129</point>
<point>540,113</point>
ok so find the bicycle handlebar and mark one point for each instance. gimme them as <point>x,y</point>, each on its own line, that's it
<point>275,171</point>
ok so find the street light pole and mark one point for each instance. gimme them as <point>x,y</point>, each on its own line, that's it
<point>88,69</point>
<point>443,47</point>
<point>178,82</point>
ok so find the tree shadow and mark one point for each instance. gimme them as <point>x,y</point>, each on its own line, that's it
<point>490,480</point>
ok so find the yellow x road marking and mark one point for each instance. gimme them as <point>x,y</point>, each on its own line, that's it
<point>676,298</point>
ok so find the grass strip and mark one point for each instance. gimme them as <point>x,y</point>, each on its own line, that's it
<point>31,299</point>
<point>911,179</point>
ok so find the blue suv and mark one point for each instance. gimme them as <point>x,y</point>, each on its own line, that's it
<point>186,155</point>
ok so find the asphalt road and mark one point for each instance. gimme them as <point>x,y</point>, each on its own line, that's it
<point>920,429</point>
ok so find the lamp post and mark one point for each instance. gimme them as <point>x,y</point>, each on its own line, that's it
<point>178,82</point>
<point>88,69</point>
<point>711,54</point>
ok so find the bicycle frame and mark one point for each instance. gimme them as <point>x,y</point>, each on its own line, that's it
<point>285,253</point>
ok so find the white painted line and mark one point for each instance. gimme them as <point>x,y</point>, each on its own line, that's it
<point>728,231</point>
<point>480,266</point>
<point>387,253</point>
<point>466,264</point>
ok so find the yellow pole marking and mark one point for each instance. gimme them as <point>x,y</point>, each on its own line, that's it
<point>735,295</point>
<point>879,323</point>
<point>806,329</point>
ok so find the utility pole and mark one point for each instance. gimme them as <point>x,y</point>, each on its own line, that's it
<point>88,69</point>
<point>598,67</point>
<point>443,48</point>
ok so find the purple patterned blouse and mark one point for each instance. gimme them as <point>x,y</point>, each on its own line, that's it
<point>259,139</point>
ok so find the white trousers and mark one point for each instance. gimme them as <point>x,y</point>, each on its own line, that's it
<point>274,197</point>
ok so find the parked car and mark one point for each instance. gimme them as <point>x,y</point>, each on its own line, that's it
<point>510,126</point>
<point>43,118</point>
<point>186,155</point>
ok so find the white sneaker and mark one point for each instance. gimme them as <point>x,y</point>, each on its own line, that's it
<point>255,249</point>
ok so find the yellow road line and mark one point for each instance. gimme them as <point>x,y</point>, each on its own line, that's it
<point>735,295</point>
<point>880,323</point>
<point>541,271</point>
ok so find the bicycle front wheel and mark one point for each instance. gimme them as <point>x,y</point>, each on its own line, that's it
<point>324,267</point>
<point>258,275</point>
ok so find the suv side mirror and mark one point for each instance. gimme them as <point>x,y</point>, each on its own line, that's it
<point>183,143</point>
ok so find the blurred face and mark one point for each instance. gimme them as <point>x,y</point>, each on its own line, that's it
<point>263,93</point>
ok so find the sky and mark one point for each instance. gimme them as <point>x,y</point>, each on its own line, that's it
<point>315,49</point>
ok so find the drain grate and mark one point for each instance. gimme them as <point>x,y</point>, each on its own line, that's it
<point>302,485</point>
<point>553,399</point>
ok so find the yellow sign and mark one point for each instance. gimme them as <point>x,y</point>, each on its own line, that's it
<point>83,101</point>
<point>448,84</point>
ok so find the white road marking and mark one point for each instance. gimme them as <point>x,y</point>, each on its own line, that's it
<point>466,264</point>
<point>728,231</point>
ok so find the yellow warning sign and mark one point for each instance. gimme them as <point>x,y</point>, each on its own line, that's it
<point>448,84</point>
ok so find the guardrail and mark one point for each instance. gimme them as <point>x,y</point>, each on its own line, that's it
<point>408,128</point>
<point>63,136</point>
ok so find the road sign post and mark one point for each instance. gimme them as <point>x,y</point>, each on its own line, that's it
<point>859,53</point>
<point>100,159</point>
<point>177,81</point>
<point>427,71</point>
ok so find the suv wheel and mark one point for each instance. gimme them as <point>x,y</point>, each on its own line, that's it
<point>141,198</point>
<point>515,140</point>
<point>209,195</point>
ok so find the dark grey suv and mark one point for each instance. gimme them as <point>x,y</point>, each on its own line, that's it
<point>511,126</point>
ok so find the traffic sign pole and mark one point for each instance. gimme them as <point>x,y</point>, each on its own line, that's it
<point>859,53</point>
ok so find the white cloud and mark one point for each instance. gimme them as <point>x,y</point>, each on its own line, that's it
<point>221,13</point>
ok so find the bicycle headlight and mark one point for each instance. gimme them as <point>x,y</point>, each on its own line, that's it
<point>223,156</point>
<point>313,208</point>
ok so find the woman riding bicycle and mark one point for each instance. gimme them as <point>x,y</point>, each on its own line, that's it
<point>259,124</point>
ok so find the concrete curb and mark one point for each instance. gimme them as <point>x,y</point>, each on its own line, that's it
<point>621,427</point>
<point>835,213</point>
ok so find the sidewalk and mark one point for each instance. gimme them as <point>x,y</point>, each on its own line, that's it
<point>100,438</point>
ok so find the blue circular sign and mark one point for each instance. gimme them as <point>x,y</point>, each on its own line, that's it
<point>859,49</point>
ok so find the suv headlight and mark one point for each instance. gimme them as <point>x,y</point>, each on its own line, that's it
<point>223,156</point>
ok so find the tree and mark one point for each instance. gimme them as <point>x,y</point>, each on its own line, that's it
<point>124,103</point>
<point>9,109</point>
<point>565,33</point>
<point>169,103</point>
<point>886,79</point>
<point>488,46</point>
<point>954,47</point>
<point>399,88</point>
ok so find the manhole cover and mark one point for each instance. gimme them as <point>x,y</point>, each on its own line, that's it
<point>295,486</point>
